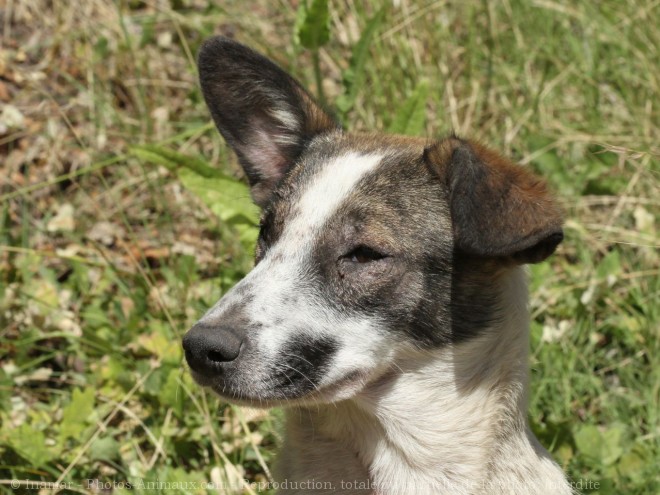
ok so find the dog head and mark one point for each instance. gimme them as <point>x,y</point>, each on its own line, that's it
<point>369,244</point>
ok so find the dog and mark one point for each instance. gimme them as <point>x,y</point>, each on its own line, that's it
<point>387,309</point>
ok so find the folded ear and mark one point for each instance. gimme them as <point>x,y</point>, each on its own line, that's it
<point>263,113</point>
<point>498,209</point>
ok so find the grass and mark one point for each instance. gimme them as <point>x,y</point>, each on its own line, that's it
<point>108,255</point>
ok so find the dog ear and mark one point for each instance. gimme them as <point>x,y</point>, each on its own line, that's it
<point>263,113</point>
<point>498,209</point>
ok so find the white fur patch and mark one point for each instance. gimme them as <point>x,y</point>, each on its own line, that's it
<point>282,290</point>
<point>282,303</point>
<point>448,421</point>
<point>328,190</point>
<point>287,118</point>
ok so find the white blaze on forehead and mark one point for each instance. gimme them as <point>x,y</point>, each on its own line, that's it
<point>282,303</point>
<point>328,190</point>
<point>279,293</point>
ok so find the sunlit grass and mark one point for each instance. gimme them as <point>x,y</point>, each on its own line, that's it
<point>96,296</point>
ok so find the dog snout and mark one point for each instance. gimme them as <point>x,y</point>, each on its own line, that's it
<point>208,347</point>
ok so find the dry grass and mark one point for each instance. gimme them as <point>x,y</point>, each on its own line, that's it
<point>105,261</point>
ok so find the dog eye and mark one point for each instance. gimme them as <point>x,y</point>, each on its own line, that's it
<point>363,254</point>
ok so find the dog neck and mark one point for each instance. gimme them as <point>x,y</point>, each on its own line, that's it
<point>452,420</point>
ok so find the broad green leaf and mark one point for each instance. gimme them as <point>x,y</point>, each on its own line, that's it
<point>30,444</point>
<point>227,198</point>
<point>613,439</point>
<point>247,234</point>
<point>632,463</point>
<point>353,77</point>
<point>115,371</point>
<point>173,160</point>
<point>410,117</point>
<point>589,442</point>
<point>312,29</point>
<point>104,449</point>
<point>154,382</point>
<point>564,453</point>
<point>75,416</point>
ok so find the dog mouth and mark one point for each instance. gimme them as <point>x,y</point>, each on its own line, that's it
<point>256,395</point>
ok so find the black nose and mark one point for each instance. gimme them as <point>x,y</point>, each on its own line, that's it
<point>207,347</point>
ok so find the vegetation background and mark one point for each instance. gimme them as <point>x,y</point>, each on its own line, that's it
<point>122,219</point>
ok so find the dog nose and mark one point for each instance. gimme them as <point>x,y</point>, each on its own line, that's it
<point>208,347</point>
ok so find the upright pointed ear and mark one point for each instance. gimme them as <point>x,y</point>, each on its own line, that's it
<point>498,209</point>
<point>263,113</point>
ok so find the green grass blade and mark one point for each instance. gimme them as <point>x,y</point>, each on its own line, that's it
<point>410,117</point>
<point>312,29</point>
<point>173,160</point>
<point>353,77</point>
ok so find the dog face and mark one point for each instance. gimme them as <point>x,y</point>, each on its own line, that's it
<point>370,245</point>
